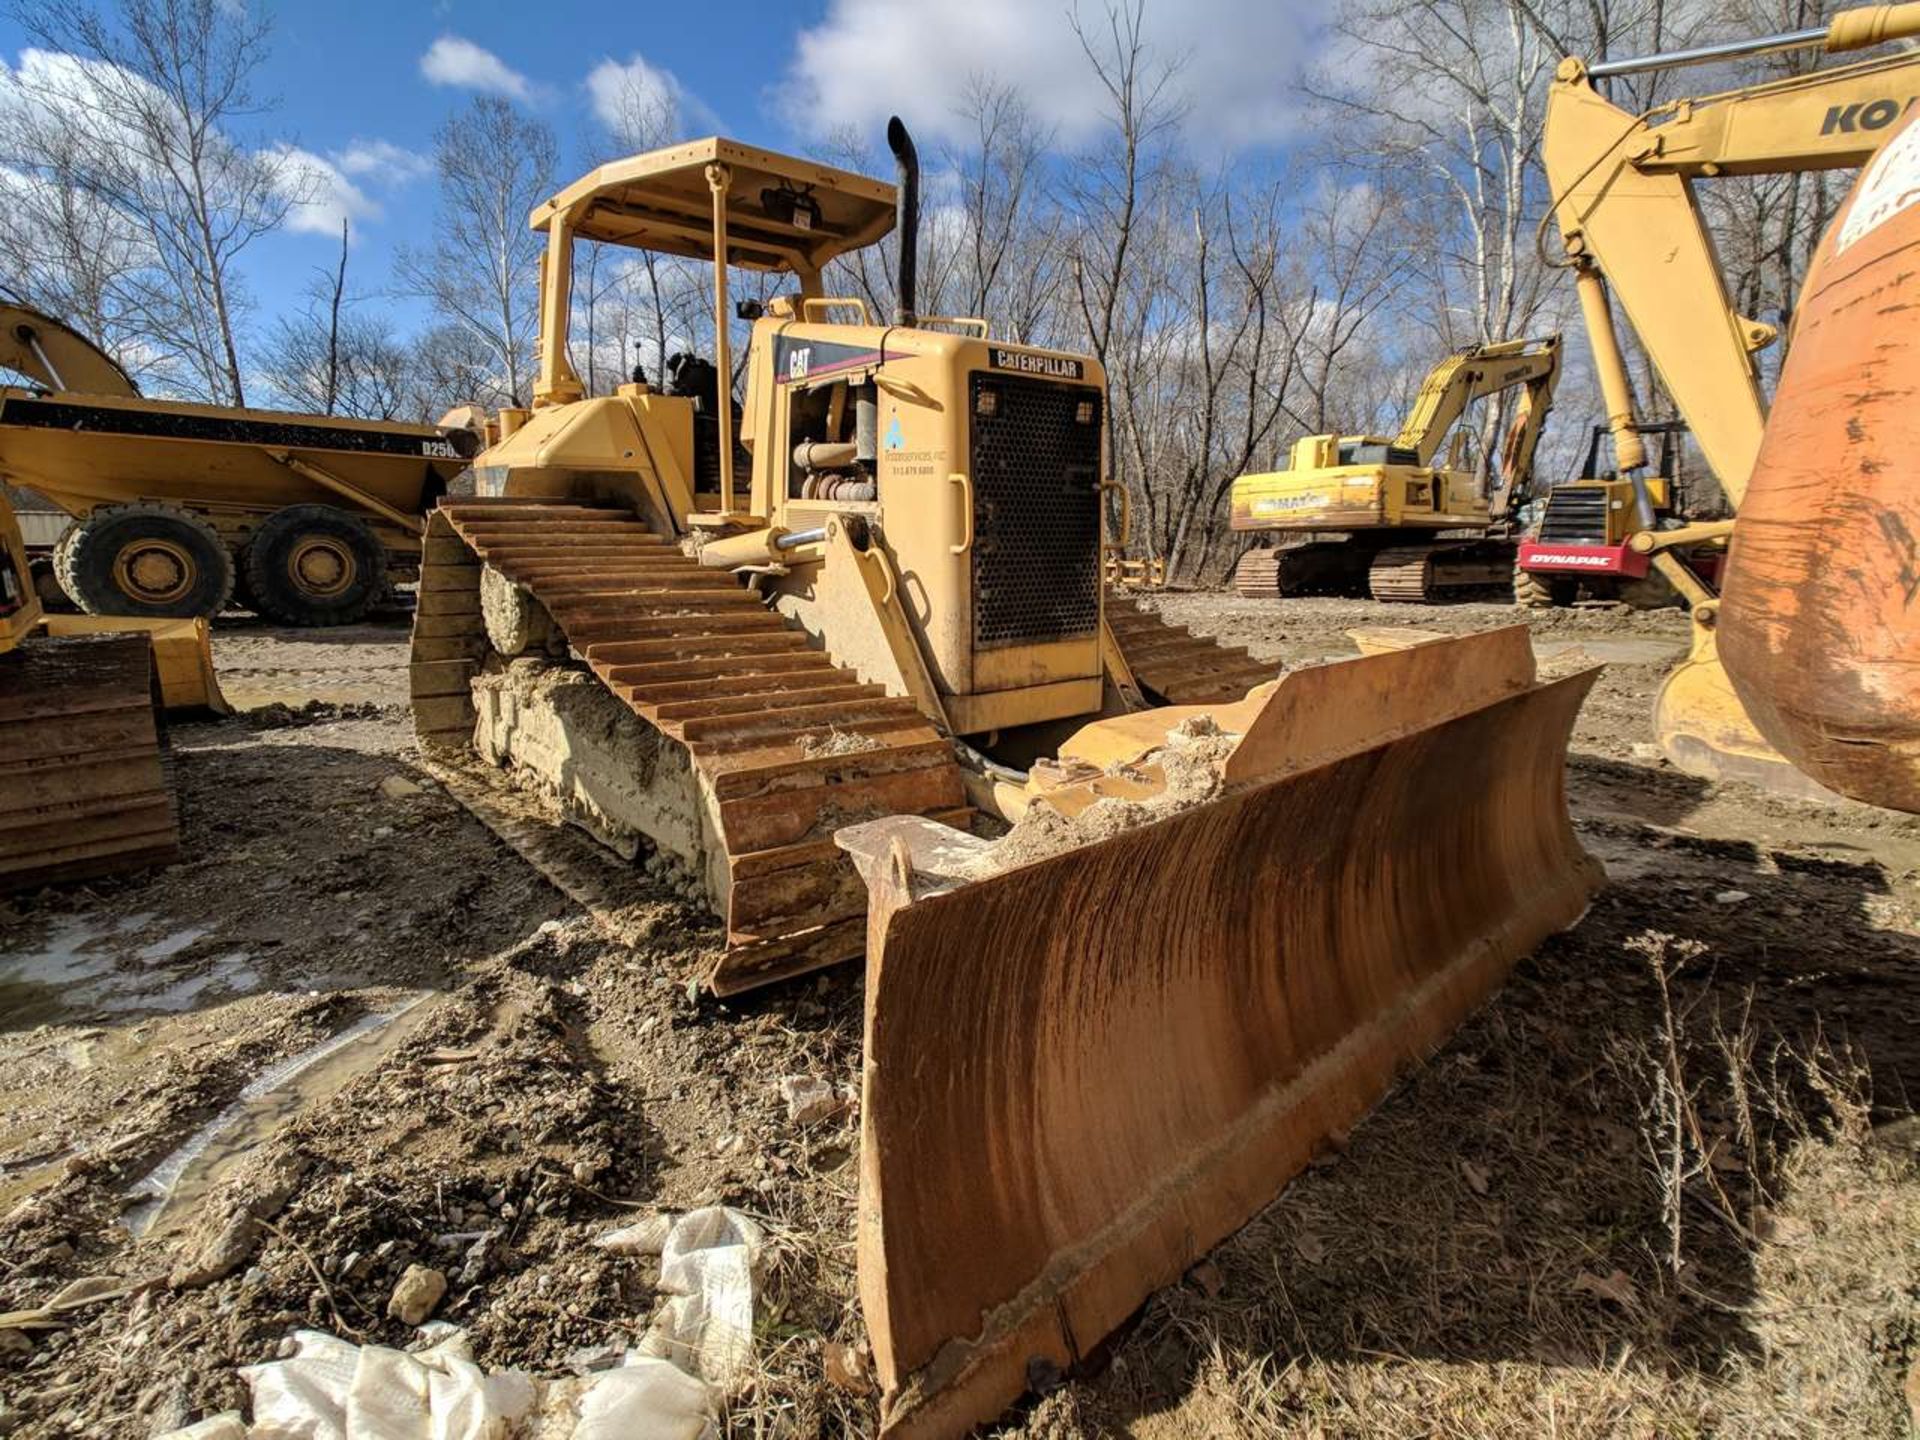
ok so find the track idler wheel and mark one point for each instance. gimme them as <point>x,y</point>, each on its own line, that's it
<point>155,561</point>
<point>515,622</point>
<point>314,565</point>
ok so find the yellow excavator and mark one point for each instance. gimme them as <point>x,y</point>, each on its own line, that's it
<point>82,789</point>
<point>1408,529</point>
<point>1634,237</point>
<point>1144,920</point>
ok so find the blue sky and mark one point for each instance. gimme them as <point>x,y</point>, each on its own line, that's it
<point>362,84</point>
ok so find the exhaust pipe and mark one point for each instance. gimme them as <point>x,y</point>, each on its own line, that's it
<point>907,219</point>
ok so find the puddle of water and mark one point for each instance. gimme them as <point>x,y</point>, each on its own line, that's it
<point>78,970</point>
<point>233,972</point>
<point>172,945</point>
<point>267,1102</point>
<point>43,984</point>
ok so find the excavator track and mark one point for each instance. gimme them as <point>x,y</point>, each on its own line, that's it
<point>1311,567</point>
<point>1178,666</point>
<point>1423,574</point>
<point>786,745</point>
<point>83,791</point>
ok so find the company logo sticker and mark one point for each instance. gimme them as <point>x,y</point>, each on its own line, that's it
<point>1891,184</point>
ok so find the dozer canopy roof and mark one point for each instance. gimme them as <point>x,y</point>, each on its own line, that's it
<point>782,213</point>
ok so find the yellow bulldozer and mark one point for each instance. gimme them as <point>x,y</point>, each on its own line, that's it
<point>1380,516</point>
<point>175,507</point>
<point>1144,919</point>
<point>1635,238</point>
<point>82,788</point>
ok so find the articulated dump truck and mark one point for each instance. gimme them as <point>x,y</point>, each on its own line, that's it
<point>1144,920</point>
<point>176,508</point>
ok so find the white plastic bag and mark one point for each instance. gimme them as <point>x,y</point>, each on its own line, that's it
<point>303,1397</point>
<point>645,1399</point>
<point>707,1266</point>
<point>331,1390</point>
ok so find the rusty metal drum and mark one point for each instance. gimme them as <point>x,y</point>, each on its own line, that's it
<point>1819,622</point>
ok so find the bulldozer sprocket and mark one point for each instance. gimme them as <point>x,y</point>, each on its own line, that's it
<point>786,744</point>
<point>83,791</point>
<point>1142,1039</point>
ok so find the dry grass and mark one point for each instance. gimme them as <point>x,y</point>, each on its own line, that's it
<point>1614,1206</point>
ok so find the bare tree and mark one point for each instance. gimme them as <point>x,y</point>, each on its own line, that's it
<point>334,357</point>
<point>482,270</point>
<point>139,104</point>
<point>449,365</point>
<point>1103,193</point>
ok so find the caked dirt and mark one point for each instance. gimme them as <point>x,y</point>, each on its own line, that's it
<point>1660,1187</point>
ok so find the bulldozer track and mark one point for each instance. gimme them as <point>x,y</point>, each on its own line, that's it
<point>1178,666</point>
<point>83,789</point>
<point>616,896</point>
<point>789,745</point>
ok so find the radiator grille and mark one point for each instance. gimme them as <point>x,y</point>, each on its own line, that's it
<point>1575,515</point>
<point>1036,518</point>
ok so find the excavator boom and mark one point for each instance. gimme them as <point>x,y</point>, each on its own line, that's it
<point>1634,235</point>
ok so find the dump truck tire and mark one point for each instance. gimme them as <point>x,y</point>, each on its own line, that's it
<point>154,561</point>
<point>314,565</point>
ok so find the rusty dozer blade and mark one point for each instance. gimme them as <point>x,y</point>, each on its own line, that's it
<point>1083,1071</point>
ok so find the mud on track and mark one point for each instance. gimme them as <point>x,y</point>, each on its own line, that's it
<point>1427,1277</point>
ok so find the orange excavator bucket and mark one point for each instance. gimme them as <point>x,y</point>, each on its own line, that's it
<point>1212,941</point>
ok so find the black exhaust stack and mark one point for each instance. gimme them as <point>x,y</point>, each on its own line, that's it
<point>907,220</point>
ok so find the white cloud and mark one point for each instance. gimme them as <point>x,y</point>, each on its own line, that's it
<point>644,104</point>
<point>460,63</point>
<point>322,196</point>
<point>868,59</point>
<point>381,162</point>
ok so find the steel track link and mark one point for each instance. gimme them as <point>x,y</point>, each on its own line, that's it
<point>1180,667</point>
<point>788,745</point>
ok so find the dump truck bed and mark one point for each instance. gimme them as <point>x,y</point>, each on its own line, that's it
<point>81,451</point>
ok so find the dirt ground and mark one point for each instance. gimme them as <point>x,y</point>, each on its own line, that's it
<point>1665,1185</point>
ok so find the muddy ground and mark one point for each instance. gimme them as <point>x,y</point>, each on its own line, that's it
<point>1661,1187</point>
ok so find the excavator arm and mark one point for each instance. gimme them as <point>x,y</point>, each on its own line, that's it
<point>1473,374</point>
<point>1623,195</point>
<point>1803,700</point>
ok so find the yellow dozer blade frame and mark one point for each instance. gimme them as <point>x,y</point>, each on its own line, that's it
<point>1081,1073</point>
<point>182,655</point>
